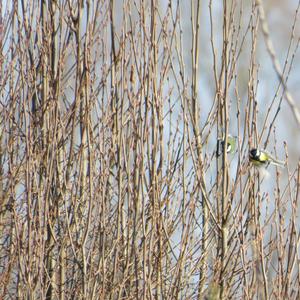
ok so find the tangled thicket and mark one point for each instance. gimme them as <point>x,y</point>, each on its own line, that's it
<point>110,187</point>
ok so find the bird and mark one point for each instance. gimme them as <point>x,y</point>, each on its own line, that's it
<point>231,145</point>
<point>262,158</point>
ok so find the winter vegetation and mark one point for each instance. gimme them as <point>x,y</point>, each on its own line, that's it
<point>110,182</point>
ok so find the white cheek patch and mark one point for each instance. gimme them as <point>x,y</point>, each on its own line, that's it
<point>228,148</point>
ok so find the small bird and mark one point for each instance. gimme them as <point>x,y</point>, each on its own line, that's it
<point>261,158</point>
<point>231,145</point>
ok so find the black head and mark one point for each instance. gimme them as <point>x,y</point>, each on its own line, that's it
<point>254,153</point>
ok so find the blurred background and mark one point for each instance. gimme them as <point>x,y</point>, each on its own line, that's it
<point>110,117</point>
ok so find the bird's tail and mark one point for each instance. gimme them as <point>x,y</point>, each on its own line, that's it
<point>277,162</point>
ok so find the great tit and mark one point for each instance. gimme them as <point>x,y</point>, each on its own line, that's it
<point>231,145</point>
<point>261,158</point>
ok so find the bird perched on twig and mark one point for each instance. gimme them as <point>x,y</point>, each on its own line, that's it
<point>231,145</point>
<point>261,158</point>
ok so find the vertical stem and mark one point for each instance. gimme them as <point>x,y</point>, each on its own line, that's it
<point>196,128</point>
